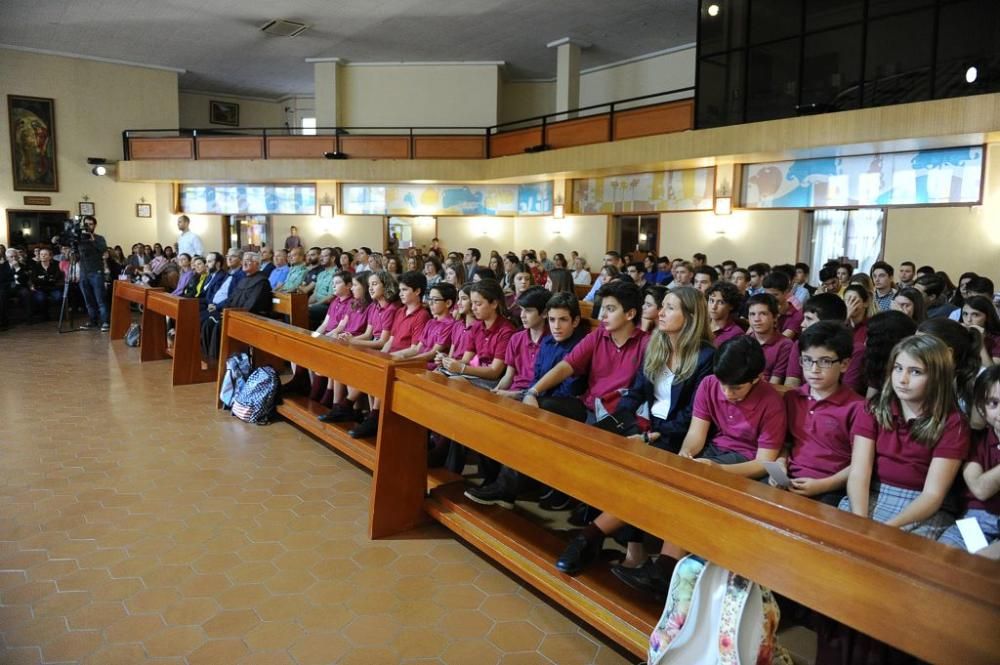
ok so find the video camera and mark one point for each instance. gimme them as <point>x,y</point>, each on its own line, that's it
<point>73,232</point>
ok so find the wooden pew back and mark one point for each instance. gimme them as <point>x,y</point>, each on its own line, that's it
<point>122,295</point>
<point>293,305</point>
<point>186,351</point>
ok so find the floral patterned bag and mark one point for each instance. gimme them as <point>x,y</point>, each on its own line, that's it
<point>715,617</point>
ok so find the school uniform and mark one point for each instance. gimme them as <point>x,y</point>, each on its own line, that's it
<point>820,431</point>
<point>608,367</point>
<point>357,318</point>
<point>337,310</point>
<point>985,453</point>
<point>855,374</point>
<point>670,402</point>
<point>380,317</point>
<point>790,320</point>
<point>738,429</point>
<point>901,466</point>
<point>731,330</point>
<point>436,332</point>
<point>489,344</point>
<point>777,350</point>
<point>407,327</point>
<point>521,354</point>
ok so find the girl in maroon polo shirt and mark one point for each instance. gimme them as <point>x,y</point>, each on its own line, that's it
<point>490,336</point>
<point>911,442</point>
<point>978,312</point>
<point>981,473</point>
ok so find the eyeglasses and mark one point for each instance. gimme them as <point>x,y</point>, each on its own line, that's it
<point>823,363</point>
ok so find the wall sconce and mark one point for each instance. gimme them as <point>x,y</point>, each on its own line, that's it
<point>558,208</point>
<point>723,205</point>
<point>101,165</point>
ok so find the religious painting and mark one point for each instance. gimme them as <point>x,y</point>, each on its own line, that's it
<point>224,113</point>
<point>33,143</point>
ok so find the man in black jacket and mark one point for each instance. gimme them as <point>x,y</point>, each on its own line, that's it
<point>253,293</point>
<point>46,283</point>
<point>91,263</point>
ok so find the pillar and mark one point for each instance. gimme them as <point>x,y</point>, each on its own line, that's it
<point>567,74</point>
<point>326,72</point>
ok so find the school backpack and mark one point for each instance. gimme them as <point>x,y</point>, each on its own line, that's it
<point>255,401</point>
<point>133,335</point>
<point>238,368</point>
<point>715,617</point>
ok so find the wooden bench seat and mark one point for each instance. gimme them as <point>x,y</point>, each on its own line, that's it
<point>186,366</point>
<point>836,563</point>
<point>293,305</point>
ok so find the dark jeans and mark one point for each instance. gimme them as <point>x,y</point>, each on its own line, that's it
<point>40,299</point>
<point>95,296</point>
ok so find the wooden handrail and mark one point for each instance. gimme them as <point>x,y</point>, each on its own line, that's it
<point>892,585</point>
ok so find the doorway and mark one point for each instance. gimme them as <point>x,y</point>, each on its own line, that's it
<point>248,232</point>
<point>406,232</point>
<point>34,228</point>
<point>635,233</point>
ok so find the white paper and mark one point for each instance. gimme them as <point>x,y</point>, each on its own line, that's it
<point>972,534</point>
<point>777,473</point>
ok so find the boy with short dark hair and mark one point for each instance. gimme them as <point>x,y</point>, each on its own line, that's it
<point>763,316</point>
<point>524,344</point>
<point>437,334</point>
<point>789,321</point>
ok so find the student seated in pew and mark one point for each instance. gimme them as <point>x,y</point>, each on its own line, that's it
<point>354,324</point>
<point>652,301</point>
<point>679,356</point>
<point>724,301</point>
<point>789,321</point>
<point>885,331</point>
<point>523,280</point>
<point>407,326</point>
<point>738,421</point>
<point>909,445</point>
<point>437,335</point>
<point>524,344</point>
<point>339,307</point>
<point>762,311</point>
<point>821,414</point>
<point>490,336</point>
<point>978,312</point>
<point>965,346</point>
<point>820,307</point>
<point>981,471</point>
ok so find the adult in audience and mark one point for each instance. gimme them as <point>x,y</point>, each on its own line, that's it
<point>297,270</point>
<point>188,241</point>
<point>471,262</point>
<point>581,275</point>
<point>434,274</point>
<point>322,292</point>
<point>907,274</point>
<point>293,240</point>
<point>196,285</point>
<point>279,269</point>
<point>361,260</point>
<point>683,273</point>
<point>218,292</point>
<point>346,262</point>
<point>6,288</point>
<point>543,260</point>
<point>186,273</point>
<point>46,283</point>
<point>611,259</point>
<point>884,294</point>
<point>267,261</point>
<point>252,292</point>
<point>20,287</point>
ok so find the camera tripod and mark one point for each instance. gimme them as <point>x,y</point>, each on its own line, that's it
<point>64,307</point>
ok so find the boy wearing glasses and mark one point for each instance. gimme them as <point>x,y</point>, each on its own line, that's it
<point>437,332</point>
<point>821,414</point>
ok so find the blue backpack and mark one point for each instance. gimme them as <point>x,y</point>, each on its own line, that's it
<point>238,368</point>
<point>255,401</point>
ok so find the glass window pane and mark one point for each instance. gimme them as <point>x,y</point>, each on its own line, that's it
<point>832,69</point>
<point>898,59</point>
<point>772,81</point>
<point>821,14</point>
<point>774,19</point>
<point>722,25</point>
<point>720,90</point>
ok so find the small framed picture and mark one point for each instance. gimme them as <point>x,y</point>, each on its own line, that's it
<point>143,209</point>
<point>224,113</point>
<point>87,208</point>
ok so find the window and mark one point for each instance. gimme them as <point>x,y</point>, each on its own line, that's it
<point>309,126</point>
<point>857,235</point>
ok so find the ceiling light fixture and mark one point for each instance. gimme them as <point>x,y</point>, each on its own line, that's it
<point>99,170</point>
<point>713,10</point>
<point>971,74</point>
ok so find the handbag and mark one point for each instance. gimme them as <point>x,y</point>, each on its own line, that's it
<point>133,335</point>
<point>715,617</point>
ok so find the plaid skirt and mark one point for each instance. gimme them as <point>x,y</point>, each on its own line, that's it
<point>988,522</point>
<point>887,501</point>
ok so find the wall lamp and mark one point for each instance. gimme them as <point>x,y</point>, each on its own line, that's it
<point>101,165</point>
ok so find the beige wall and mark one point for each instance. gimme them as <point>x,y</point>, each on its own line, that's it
<point>664,72</point>
<point>429,95</point>
<point>485,233</point>
<point>94,103</point>
<point>526,99</point>
<point>764,235</point>
<point>194,111</point>
<point>587,234</point>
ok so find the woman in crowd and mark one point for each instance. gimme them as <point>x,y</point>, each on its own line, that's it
<point>199,278</point>
<point>186,273</point>
<point>910,301</point>
<point>560,280</point>
<point>346,262</point>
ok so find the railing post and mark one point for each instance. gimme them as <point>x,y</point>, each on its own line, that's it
<point>194,140</point>
<point>611,122</point>
<point>411,143</point>
<point>487,143</point>
<point>264,139</point>
<point>544,128</point>
<point>125,150</point>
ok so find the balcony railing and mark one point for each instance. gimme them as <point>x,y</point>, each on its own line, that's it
<point>646,115</point>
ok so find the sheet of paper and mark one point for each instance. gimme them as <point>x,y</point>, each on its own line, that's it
<point>972,534</point>
<point>777,473</point>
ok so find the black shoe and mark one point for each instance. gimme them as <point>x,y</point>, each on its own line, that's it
<point>648,577</point>
<point>491,495</point>
<point>89,325</point>
<point>338,414</point>
<point>546,494</point>
<point>582,515</point>
<point>555,500</point>
<point>579,554</point>
<point>367,428</point>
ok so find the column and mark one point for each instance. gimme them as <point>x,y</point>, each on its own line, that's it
<point>326,72</point>
<point>567,74</point>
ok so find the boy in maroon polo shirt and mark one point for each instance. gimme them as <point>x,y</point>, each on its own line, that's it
<point>763,313</point>
<point>779,285</point>
<point>745,419</point>
<point>609,357</point>
<point>524,344</point>
<point>437,334</point>
<point>821,414</point>
<point>820,307</point>
<point>407,325</point>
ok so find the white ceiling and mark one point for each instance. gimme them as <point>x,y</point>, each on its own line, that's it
<point>219,44</point>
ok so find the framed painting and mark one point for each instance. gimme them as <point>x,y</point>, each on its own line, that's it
<point>143,210</point>
<point>224,113</point>
<point>33,143</point>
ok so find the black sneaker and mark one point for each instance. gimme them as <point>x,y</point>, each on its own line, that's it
<point>555,500</point>
<point>579,554</point>
<point>367,428</point>
<point>648,577</point>
<point>89,325</point>
<point>491,495</point>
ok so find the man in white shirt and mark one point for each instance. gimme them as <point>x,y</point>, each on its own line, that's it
<point>188,241</point>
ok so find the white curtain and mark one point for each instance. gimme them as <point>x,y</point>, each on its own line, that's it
<point>856,234</point>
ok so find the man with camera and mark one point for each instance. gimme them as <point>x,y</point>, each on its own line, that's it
<point>90,249</point>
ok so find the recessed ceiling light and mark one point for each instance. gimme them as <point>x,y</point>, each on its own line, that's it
<point>971,74</point>
<point>713,10</point>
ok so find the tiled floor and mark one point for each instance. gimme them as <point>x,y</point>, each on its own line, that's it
<point>140,525</point>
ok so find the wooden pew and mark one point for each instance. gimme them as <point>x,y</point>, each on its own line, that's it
<point>581,291</point>
<point>186,351</point>
<point>586,309</point>
<point>123,294</point>
<point>293,305</point>
<point>274,343</point>
<point>938,603</point>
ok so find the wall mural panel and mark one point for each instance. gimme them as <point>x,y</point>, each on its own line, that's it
<point>663,191</point>
<point>248,199</point>
<point>403,199</point>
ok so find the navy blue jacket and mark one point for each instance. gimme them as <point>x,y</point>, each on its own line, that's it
<point>674,427</point>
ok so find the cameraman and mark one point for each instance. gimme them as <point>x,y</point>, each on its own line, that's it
<point>91,249</point>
